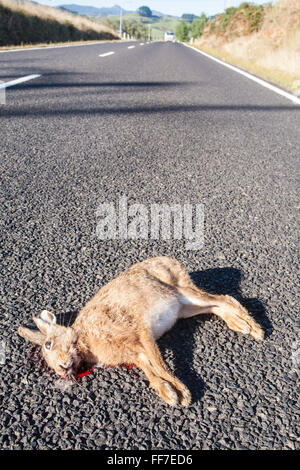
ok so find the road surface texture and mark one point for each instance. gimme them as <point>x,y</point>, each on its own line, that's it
<point>156,123</point>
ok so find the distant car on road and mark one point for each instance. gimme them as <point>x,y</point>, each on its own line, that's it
<point>169,36</point>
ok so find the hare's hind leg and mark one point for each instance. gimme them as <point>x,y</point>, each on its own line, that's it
<point>194,301</point>
<point>161,379</point>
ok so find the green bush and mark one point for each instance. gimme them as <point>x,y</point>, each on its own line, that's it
<point>231,11</point>
<point>224,22</point>
<point>198,25</point>
<point>182,31</point>
<point>254,15</point>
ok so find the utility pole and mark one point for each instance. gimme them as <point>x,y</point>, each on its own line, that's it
<point>149,31</point>
<point>121,22</point>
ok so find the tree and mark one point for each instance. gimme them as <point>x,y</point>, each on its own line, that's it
<point>132,27</point>
<point>198,25</point>
<point>135,29</point>
<point>145,11</point>
<point>182,31</point>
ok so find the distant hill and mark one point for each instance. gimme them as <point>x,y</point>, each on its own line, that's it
<point>93,11</point>
<point>158,13</point>
<point>101,12</point>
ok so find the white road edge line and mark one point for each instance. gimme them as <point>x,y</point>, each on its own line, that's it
<point>131,47</point>
<point>18,80</point>
<point>260,81</point>
<point>106,54</point>
<point>26,49</point>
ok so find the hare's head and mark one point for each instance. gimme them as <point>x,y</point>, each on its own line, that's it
<point>59,343</point>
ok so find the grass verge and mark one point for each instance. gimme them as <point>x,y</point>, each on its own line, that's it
<point>286,80</point>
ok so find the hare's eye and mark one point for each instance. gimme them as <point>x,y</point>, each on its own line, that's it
<point>48,345</point>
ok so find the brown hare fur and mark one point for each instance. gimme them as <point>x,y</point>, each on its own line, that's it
<point>122,322</point>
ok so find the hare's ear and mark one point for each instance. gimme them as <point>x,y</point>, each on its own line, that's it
<point>34,336</point>
<point>44,321</point>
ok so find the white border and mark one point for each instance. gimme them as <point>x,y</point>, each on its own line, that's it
<point>274,88</point>
<point>26,49</point>
<point>41,48</point>
<point>18,80</point>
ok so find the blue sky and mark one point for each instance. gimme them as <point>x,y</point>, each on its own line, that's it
<point>171,7</point>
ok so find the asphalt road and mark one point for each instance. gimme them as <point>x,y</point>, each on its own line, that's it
<point>157,123</point>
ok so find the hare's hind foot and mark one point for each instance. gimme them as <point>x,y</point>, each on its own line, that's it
<point>238,319</point>
<point>241,325</point>
<point>194,302</point>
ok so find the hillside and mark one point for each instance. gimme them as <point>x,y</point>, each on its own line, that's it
<point>25,22</point>
<point>262,39</point>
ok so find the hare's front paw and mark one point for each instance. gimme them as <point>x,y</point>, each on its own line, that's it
<point>185,399</point>
<point>168,394</point>
<point>173,396</point>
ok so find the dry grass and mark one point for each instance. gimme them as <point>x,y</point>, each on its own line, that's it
<point>45,12</point>
<point>272,52</point>
<point>55,14</point>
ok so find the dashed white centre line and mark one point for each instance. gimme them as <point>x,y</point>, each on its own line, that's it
<point>131,47</point>
<point>18,80</point>
<point>106,54</point>
<point>141,43</point>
